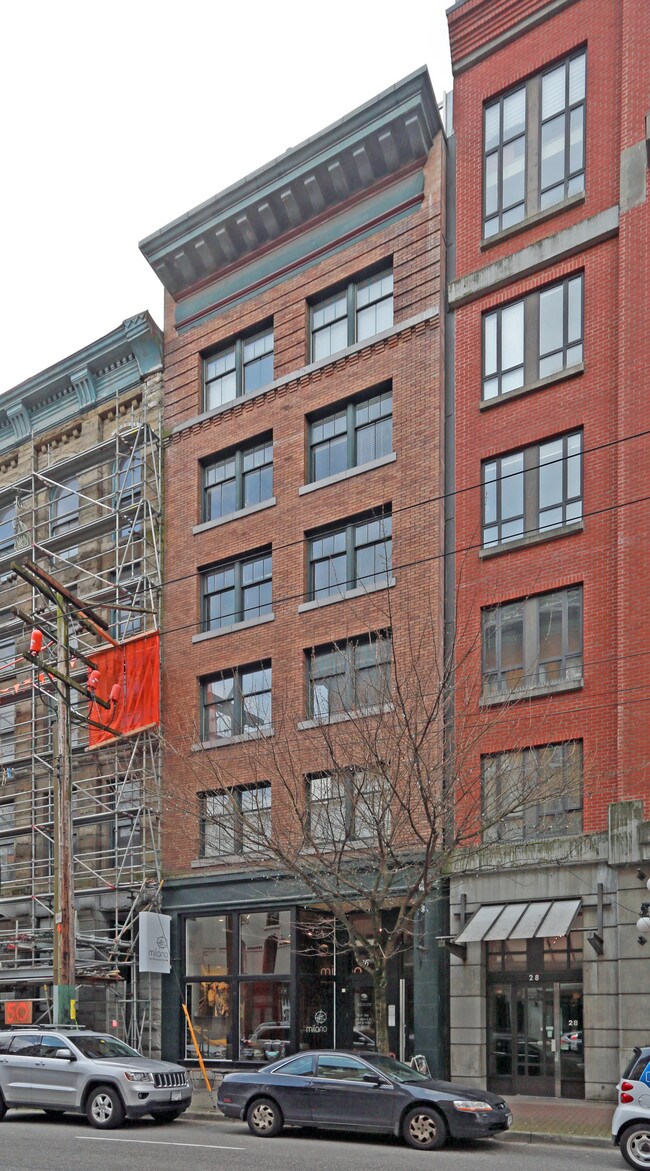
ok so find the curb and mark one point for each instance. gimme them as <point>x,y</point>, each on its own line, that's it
<point>569,1140</point>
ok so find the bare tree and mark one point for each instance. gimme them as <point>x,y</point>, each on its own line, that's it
<point>367,811</point>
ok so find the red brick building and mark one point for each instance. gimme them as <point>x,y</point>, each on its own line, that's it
<point>303,415</point>
<point>550,302</point>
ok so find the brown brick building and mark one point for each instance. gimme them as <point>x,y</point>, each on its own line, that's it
<point>550,303</point>
<point>303,531</point>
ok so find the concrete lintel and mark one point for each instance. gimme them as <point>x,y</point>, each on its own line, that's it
<point>535,257</point>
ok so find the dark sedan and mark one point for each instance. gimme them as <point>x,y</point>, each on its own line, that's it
<point>360,1092</point>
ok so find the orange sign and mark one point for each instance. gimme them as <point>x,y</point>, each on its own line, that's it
<point>18,1012</point>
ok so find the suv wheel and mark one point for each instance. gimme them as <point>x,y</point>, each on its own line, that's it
<point>104,1109</point>
<point>635,1146</point>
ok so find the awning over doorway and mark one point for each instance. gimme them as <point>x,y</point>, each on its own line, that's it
<point>539,920</point>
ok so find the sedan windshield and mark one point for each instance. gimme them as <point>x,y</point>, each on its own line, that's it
<point>397,1070</point>
<point>98,1046</point>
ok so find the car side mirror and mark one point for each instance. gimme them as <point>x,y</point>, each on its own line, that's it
<point>373,1078</point>
<point>65,1054</point>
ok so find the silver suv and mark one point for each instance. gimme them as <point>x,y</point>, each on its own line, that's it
<point>59,1070</point>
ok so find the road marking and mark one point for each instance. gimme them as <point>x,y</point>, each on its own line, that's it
<point>152,1142</point>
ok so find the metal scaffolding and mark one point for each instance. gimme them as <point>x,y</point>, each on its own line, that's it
<point>88,513</point>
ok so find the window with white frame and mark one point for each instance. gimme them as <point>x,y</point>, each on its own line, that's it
<point>237,703</point>
<point>353,434</point>
<point>357,555</point>
<point>235,821</point>
<point>533,338</point>
<point>533,793</point>
<point>533,643</point>
<point>532,491</point>
<point>350,676</point>
<point>238,368</point>
<point>359,311</point>
<point>534,145</point>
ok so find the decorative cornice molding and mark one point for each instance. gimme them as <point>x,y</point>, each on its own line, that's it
<point>56,396</point>
<point>386,136</point>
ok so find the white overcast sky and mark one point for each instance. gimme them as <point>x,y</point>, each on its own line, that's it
<point>119,116</point>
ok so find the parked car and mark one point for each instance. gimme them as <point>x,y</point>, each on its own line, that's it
<point>82,1072</point>
<point>631,1121</point>
<point>360,1092</point>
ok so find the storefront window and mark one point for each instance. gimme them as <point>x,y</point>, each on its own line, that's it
<point>207,939</point>
<point>264,1020</point>
<point>265,943</point>
<point>209,1004</point>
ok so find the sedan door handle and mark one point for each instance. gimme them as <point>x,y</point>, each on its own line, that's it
<point>40,1064</point>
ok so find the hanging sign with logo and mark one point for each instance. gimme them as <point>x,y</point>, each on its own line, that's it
<point>154,942</point>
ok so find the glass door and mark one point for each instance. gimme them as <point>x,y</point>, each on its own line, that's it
<point>572,1062</point>
<point>534,1040</point>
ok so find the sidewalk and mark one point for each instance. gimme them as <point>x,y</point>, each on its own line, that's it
<point>558,1120</point>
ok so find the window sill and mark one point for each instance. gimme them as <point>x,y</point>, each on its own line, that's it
<point>540,538</point>
<point>361,713</point>
<point>541,384</point>
<point>348,596</point>
<point>241,512</point>
<point>532,692</point>
<point>234,628</point>
<point>340,476</point>
<point>538,217</point>
<point>206,745</point>
<point>227,860</point>
<point>330,846</point>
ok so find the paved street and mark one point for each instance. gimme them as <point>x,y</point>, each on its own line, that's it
<point>31,1143</point>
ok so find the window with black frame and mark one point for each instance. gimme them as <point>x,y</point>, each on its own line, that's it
<point>237,368</point>
<point>237,591</point>
<point>348,677</point>
<point>351,435</point>
<point>534,145</point>
<point>355,555</point>
<point>535,490</point>
<point>237,703</point>
<point>355,313</point>
<point>533,793</point>
<point>539,336</point>
<point>235,821</point>
<point>237,480</point>
<point>532,644</point>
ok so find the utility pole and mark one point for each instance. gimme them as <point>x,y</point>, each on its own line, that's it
<point>64,915</point>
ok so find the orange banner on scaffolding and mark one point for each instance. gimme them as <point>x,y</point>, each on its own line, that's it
<point>135,668</point>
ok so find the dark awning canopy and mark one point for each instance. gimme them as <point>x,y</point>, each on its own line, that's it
<point>539,920</point>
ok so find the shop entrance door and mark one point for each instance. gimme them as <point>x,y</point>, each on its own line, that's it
<point>535,1039</point>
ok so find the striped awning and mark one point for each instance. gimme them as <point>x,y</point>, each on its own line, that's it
<point>539,920</point>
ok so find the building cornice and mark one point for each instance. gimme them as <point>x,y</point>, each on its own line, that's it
<point>362,151</point>
<point>58,394</point>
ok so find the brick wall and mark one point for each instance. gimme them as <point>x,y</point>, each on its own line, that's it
<point>410,359</point>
